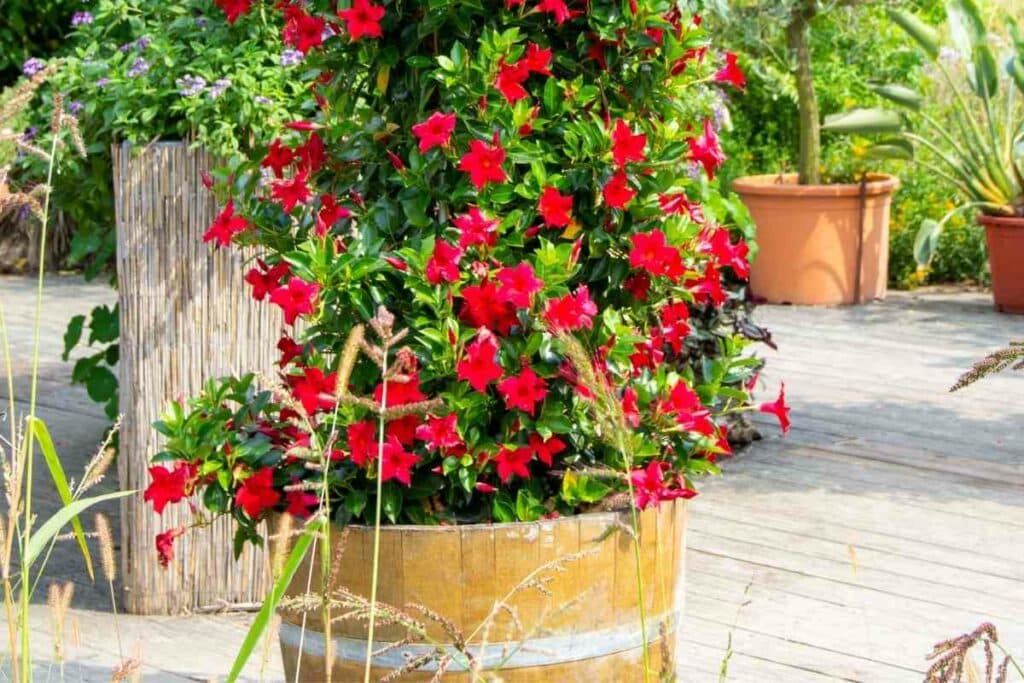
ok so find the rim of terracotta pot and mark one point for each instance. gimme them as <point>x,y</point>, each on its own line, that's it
<point>605,515</point>
<point>785,184</point>
<point>1001,221</point>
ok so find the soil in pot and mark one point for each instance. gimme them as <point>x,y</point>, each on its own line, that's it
<point>1005,237</point>
<point>577,621</point>
<point>819,244</point>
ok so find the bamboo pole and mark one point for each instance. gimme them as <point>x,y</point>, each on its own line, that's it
<point>186,317</point>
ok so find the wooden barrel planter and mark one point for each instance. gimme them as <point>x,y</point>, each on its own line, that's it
<point>184,320</point>
<point>586,628</point>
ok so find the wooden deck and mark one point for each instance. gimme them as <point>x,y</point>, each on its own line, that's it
<point>890,518</point>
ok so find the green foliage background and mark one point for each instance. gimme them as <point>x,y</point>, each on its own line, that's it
<point>852,47</point>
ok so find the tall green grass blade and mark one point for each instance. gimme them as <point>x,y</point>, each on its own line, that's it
<point>42,536</point>
<point>259,625</point>
<point>60,481</point>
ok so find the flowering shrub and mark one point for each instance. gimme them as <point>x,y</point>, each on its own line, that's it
<point>509,181</point>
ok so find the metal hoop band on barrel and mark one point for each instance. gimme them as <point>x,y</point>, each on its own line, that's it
<point>506,655</point>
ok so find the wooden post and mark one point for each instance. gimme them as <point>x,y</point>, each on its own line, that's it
<point>186,317</point>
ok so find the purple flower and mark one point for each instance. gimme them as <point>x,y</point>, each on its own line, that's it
<point>189,86</point>
<point>102,82</point>
<point>291,57</point>
<point>33,66</point>
<point>75,107</point>
<point>81,18</point>
<point>218,88</point>
<point>30,134</point>
<point>265,101</point>
<point>694,171</point>
<point>200,22</point>
<point>143,42</point>
<point>139,67</point>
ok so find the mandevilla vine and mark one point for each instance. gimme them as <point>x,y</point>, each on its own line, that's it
<point>496,176</point>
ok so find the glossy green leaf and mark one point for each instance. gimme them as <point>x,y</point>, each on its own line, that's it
<point>266,613</point>
<point>900,94</point>
<point>42,536</point>
<point>926,241</point>
<point>864,122</point>
<point>970,37</point>
<point>60,482</point>
<point>892,148</point>
<point>924,35</point>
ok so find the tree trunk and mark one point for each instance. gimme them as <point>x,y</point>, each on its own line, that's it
<point>186,317</point>
<point>798,39</point>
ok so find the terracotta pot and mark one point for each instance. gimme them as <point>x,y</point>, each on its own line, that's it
<point>586,629</point>
<point>812,239</point>
<point>1005,238</point>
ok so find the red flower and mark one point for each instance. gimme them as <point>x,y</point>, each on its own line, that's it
<point>626,146</point>
<point>290,350</point>
<point>558,8</point>
<point>571,312</point>
<point>546,449</point>
<point>731,73</point>
<point>511,78</point>
<point>311,154</point>
<point>363,19</point>
<point>315,390</point>
<point>296,298</point>
<point>330,213</point>
<point>440,433</point>
<point>292,192</point>
<point>708,287</point>
<point>639,285</point>
<point>519,284</point>
<point>302,30</point>
<point>649,488</point>
<point>555,208</point>
<point>513,462</point>
<point>680,204</point>
<point>483,163</point>
<point>705,150</point>
<point>234,9</point>
<point>538,60</point>
<point>717,243</point>
<point>169,486</point>
<point>362,442</point>
<point>524,391</point>
<point>674,327</point>
<point>652,253</point>
<point>264,280</point>
<point>617,192</point>
<point>279,157</point>
<point>647,354</point>
<point>778,408</point>
<point>396,463</point>
<point>436,131</point>
<point>690,413</point>
<point>475,228</point>
<point>630,409</point>
<point>165,544</point>
<point>226,226</point>
<point>301,503</point>
<point>257,493</point>
<point>480,366</point>
<point>443,265</point>
<point>396,263</point>
<point>400,393</point>
<point>483,307</point>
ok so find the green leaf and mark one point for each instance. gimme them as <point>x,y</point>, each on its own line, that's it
<point>1015,68</point>
<point>259,625</point>
<point>900,94</point>
<point>101,384</point>
<point>60,482</point>
<point>971,39</point>
<point>926,241</point>
<point>104,327</point>
<point>864,122</point>
<point>892,148</point>
<point>42,536</point>
<point>924,35</point>
<point>72,335</point>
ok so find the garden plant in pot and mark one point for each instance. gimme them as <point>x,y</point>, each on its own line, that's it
<point>978,150</point>
<point>818,243</point>
<point>496,387</point>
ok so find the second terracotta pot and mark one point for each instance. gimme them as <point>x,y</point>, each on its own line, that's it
<point>1005,237</point>
<point>819,244</point>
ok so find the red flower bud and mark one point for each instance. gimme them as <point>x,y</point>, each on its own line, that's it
<point>397,263</point>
